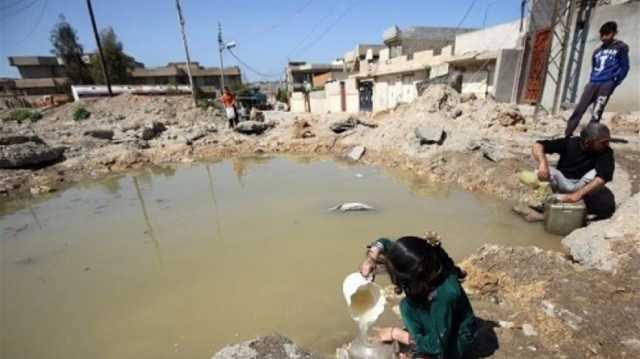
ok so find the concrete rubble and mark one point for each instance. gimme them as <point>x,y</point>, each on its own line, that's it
<point>582,305</point>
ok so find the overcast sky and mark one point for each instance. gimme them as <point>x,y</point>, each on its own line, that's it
<point>267,32</point>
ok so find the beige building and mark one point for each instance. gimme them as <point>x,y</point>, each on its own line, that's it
<point>41,75</point>
<point>206,79</point>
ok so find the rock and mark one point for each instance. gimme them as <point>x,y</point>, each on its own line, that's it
<point>256,115</point>
<point>351,207</point>
<point>509,117</point>
<point>528,330</point>
<point>489,150</point>
<point>268,347</point>
<point>6,140</point>
<point>356,153</point>
<point>38,190</point>
<point>28,154</point>
<point>104,134</point>
<point>302,129</point>
<point>252,127</point>
<point>468,97</point>
<point>430,136</point>
<point>195,135</point>
<point>457,113</point>
<point>342,126</point>
<point>151,130</point>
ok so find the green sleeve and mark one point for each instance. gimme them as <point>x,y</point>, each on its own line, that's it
<point>430,328</point>
<point>383,243</point>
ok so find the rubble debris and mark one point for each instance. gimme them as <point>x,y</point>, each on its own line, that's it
<point>302,129</point>
<point>468,97</point>
<point>104,134</point>
<point>456,113</point>
<point>152,129</point>
<point>356,153</point>
<point>352,207</point>
<point>252,127</point>
<point>28,154</point>
<point>273,346</point>
<point>15,139</point>
<point>430,135</point>
<point>489,149</point>
<point>343,126</point>
<point>509,117</point>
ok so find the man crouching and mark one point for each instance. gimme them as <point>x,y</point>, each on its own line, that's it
<point>586,163</point>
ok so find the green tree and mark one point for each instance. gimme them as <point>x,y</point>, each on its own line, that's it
<point>118,63</point>
<point>64,40</point>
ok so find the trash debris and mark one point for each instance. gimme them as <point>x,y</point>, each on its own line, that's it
<point>352,207</point>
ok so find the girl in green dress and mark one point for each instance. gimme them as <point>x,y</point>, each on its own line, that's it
<point>436,312</point>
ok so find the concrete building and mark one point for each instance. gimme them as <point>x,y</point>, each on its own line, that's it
<point>41,75</point>
<point>408,41</point>
<point>302,76</point>
<point>206,79</point>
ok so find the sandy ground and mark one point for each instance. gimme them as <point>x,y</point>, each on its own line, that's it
<point>578,305</point>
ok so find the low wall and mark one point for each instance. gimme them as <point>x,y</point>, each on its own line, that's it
<point>296,102</point>
<point>391,90</point>
<point>318,102</point>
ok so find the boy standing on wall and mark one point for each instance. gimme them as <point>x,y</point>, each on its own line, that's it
<point>610,65</point>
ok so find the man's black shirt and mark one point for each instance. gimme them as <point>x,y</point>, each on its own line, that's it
<point>575,162</point>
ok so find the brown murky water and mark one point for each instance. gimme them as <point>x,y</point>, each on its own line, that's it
<point>178,263</point>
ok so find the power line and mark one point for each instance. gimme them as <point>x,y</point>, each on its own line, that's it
<point>40,17</point>
<point>9,5</point>
<point>19,10</point>
<point>250,68</point>
<point>313,29</point>
<point>327,30</point>
<point>283,20</point>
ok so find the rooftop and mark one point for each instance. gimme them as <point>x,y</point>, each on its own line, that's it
<point>179,69</point>
<point>34,61</point>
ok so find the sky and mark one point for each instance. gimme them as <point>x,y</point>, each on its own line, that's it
<point>267,32</point>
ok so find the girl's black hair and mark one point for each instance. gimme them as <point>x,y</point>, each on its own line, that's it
<point>417,265</point>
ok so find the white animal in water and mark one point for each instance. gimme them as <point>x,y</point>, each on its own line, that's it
<point>351,206</point>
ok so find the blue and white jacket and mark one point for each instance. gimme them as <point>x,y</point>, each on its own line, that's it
<point>610,62</point>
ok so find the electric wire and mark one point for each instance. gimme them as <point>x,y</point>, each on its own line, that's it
<point>288,17</point>
<point>37,23</point>
<point>252,69</point>
<point>327,30</point>
<point>9,14</point>
<point>313,29</point>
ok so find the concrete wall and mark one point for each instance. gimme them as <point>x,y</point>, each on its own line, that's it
<point>392,90</point>
<point>627,15</point>
<point>318,101</point>
<point>505,75</point>
<point>334,97</point>
<point>296,102</point>
<point>503,36</point>
<point>476,79</point>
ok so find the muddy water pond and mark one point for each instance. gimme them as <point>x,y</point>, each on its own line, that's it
<point>168,263</point>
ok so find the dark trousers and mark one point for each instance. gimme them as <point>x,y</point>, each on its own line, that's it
<point>594,93</point>
<point>601,203</point>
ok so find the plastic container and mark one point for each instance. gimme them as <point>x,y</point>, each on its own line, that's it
<point>563,218</point>
<point>366,302</point>
<point>365,299</point>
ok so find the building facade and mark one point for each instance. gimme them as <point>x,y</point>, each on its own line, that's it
<point>40,75</point>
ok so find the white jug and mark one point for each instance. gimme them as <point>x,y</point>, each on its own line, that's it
<point>365,299</point>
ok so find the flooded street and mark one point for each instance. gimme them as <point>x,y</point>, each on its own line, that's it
<point>178,263</point>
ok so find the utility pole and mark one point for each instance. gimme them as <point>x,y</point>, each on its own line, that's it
<point>220,48</point>
<point>186,51</point>
<point>105,72</point>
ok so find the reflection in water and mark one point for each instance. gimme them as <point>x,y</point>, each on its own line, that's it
<point>213,201</point>
<point>147,220</point>
<point>33,215</point>
<point>239,168</point>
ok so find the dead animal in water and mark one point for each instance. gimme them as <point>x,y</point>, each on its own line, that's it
<point>351,207</point>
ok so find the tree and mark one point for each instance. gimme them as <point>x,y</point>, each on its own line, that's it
<point>118,63</point>
<point>64,40</point>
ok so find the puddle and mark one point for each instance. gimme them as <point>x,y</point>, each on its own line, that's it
<point>178,263</point>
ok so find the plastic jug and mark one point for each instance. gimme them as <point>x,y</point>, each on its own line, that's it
<point>366,302</point>
<point>365,299</point>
